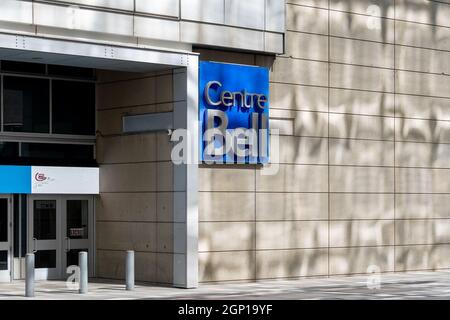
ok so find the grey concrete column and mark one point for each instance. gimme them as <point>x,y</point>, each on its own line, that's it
<point>29,275</point>
<point>185,176</point>
<point>130,270</point>
<point>83,264</point>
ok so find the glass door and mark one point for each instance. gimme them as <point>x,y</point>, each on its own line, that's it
<point>77,228</point>
<point>5,239</point>
<point>60,226</point>
<point>44,236</point>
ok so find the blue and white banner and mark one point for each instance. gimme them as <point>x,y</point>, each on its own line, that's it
<point>48,180</point>
<point>233,113</point>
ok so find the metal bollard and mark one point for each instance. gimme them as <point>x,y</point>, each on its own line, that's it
<point>29,276</point>
<point>83,264</point>
<point>130,270</point>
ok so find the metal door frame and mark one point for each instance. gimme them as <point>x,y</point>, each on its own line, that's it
<point>44,273</point>
<point>61,242</point>
<point>6,275</point>
<point>67,243</point>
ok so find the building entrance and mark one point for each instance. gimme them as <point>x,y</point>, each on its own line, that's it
<point>59,227</point>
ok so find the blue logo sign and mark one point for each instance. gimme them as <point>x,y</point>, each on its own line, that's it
<point>234,113</point>
<point>15,179</point>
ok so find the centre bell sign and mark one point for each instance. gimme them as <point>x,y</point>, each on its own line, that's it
<point>233,113</point>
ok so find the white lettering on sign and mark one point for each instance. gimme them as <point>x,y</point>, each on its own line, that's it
<point>228,98</point>
<point>241,142</point>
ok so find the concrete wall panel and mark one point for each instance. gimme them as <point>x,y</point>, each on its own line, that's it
<point>412,232</point>
<point>306,46</point>
<point>301,150</point>
<point>203,10</point>
<point>226,179</point>
<point>352,206</point>
<point>291,234</point>
<point>422,257</point>
<point>411,106</point>
<point>226,206</point>
<point>82,19</point>
<point>295,71</point>
<point>422,35</point>
<point>361,27</point>
<point>297,97</point>
<point>422,206</point>
<point>362,102</point>
<point>291,178</point>
<point>375,8</point>
<point>361,179</point>
<point>423,180</point>
<point>361,233</point>
<point>291,263</point>
<point>361,152</point>
<point>361,78</point>
<point>126,207</point>
<point>222,266</point>
<point>248,14</point>
<point>361,126</point>
<point>311,3</point>
<point>359,259</point>
<point>226,236</point>
<point>291,206</point>
<point>366,53</point>
<point>306,19</point>
<point>222,36</point>
<point>164,7</point>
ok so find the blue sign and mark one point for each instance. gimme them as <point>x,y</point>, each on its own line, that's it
<point>48,180</point>
<point>15,179</point>
<point>233,113</point>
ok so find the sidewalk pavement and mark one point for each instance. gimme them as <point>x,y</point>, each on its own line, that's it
<point>414,285</point>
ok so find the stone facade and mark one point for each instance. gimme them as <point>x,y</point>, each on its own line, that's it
<point>135,208</point>
<point>362,101</point>
<point>362,104</point>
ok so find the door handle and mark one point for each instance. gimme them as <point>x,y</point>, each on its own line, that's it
<point>34,245</point>
<point>67,244</point>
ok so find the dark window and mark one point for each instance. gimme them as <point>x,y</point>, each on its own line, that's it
<point>4,220</point>
<point>57,151</point>
<point>77,219</point>
<point>73,109</point>
<point>9,149</point>
<point>22,67</point>
<point>67,71</point>
<point>26,105</point>
<point>44,223</point>
<point>3,260</point>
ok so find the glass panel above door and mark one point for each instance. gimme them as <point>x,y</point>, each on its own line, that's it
<point>26,104</point>
<point>73,110</point>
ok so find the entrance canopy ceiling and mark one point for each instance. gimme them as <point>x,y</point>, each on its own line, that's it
<point>88,55</point>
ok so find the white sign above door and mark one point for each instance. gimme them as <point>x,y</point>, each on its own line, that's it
<point>64,180</point>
